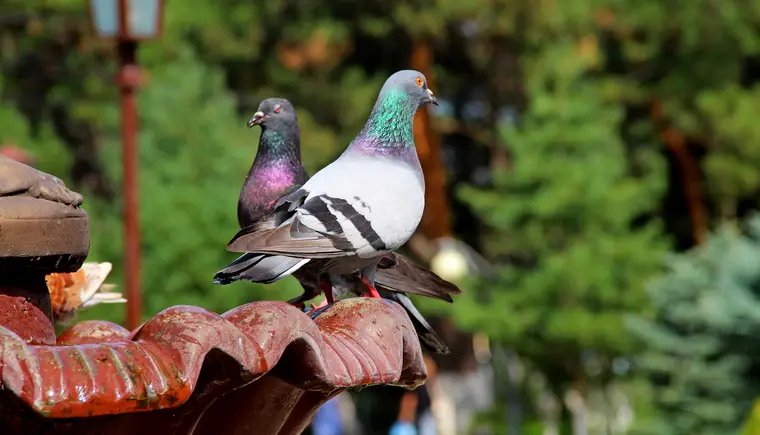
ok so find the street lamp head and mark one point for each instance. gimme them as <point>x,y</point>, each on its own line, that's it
<point>129,20</point>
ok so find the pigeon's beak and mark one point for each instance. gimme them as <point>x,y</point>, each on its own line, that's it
<point>257,119</point>
<point>431,98</point>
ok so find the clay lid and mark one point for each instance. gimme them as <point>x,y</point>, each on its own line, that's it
<point>41,222</point>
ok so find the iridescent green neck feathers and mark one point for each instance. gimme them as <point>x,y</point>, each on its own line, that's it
<point>390,123</point>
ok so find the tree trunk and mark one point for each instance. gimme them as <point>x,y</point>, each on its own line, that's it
<point>436,222</point>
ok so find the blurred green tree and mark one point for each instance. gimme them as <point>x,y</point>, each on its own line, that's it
<point>576,107</point>
<point>702,353</point>
<point>329,58</point>
<point>567,227</point>
<point>195,153</point>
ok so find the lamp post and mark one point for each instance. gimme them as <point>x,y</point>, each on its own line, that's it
<point>129,22</point>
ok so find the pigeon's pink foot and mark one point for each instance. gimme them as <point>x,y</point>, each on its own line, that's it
<point>372,290</point>
<point>317,307</point>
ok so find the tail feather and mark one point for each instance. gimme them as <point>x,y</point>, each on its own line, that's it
<point>428,338</point>
<point>258,268</point>
<point>401,274</point>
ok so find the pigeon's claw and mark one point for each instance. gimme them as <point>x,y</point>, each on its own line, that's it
<point>298,302</point>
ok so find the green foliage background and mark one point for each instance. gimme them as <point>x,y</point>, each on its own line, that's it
<point>629,131</point>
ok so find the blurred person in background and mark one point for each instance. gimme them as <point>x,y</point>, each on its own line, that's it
<point>440,416</point>
<point>414,416</point>
<point>336,417</point>
<point>327,420</point>
<point>395,411</point>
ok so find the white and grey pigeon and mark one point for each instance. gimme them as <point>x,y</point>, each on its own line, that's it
<point>362,206</point>
<point>276,171</point>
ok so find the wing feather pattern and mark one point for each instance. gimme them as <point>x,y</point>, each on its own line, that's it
<point>320,227</point>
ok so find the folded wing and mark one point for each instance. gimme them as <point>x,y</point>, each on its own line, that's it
<point>321,227</point>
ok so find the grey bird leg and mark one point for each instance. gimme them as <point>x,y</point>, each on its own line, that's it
<point>326,286</point>
<point>367,276</point>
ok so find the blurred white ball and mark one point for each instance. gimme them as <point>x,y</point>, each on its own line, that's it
<point>450,265</point>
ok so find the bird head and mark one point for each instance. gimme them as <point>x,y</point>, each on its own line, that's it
<point>273,111</point>
<point>413,84</point>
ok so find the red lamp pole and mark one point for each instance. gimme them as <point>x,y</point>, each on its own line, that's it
<point>129,81</point>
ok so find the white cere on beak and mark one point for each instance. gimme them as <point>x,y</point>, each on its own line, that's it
<point>430,93</point>
<point>256,119</point>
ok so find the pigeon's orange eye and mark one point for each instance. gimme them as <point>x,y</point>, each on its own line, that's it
<point>277,108</point>
<point>419,81</point>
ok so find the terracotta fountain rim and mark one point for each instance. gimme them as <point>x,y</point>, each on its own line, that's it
<point>100,368</point>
